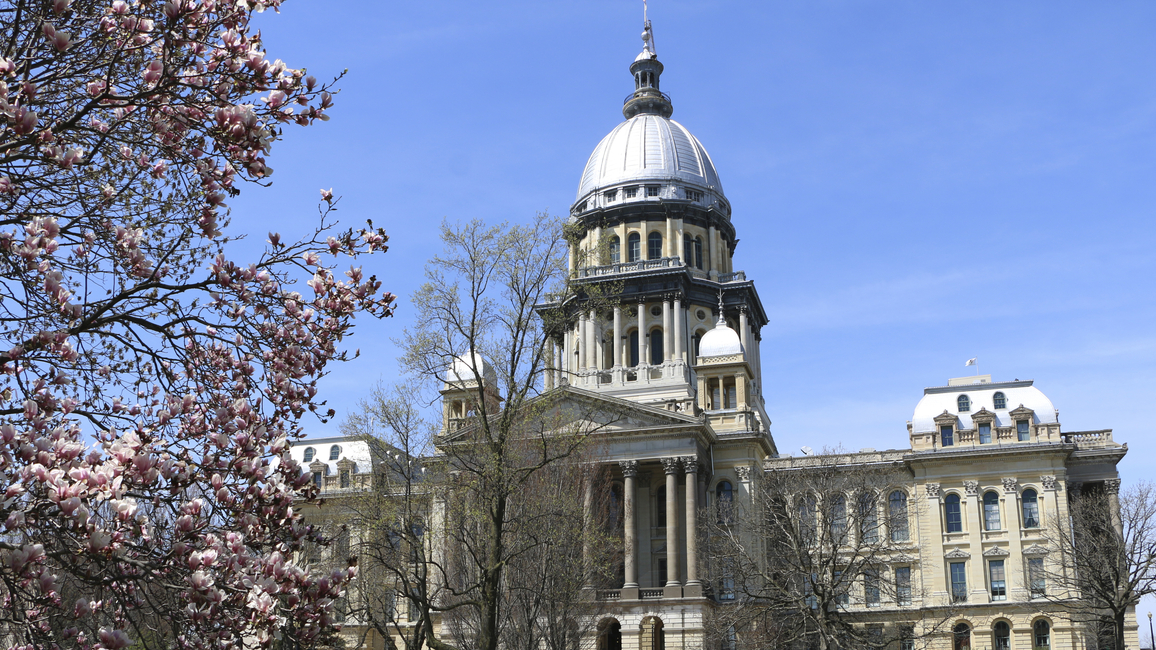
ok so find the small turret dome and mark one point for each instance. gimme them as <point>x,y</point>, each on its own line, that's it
<point>462,370</point>
<point>720,341</point>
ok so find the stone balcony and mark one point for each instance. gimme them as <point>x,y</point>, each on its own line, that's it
<point>1101,439</point>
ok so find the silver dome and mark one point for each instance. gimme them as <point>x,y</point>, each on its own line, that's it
<point>652,148</point>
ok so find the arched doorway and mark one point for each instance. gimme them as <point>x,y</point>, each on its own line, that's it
<point>652,636</point>
<point>609,634</point>
<point>962,634</point>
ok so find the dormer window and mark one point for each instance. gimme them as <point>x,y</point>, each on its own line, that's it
<point>1023,431</point>
<point>947,435</point>
<point>693,195</point>
<point>611,195</point>
<point>309,451</point>
<point>1000,401</point>
<point>985,433</point>
<point>964,403</point>
<point>652,190</point>
<point>334,452</point>
<point>630,192</point>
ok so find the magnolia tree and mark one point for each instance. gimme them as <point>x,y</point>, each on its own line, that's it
<point>149,383</point>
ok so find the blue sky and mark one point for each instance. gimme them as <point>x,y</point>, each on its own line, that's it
<point>913,183</point>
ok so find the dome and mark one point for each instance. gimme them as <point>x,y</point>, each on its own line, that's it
<point>720,341</point>
<point>462,370</point>
<point>981,396</point>
<point>650,147</point>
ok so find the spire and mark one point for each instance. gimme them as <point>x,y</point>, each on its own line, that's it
<point>646,68</point>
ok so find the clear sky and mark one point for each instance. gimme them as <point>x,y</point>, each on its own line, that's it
<point>913,183</point>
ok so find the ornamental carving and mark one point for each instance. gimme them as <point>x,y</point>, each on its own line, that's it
<point>1035,549</point>
<point>1112,486</point>
<point>1010,485</point>
<point>972,487</point>
<point>744,473</point>
<point>690,464</point>
<point>957,554</point>
<point>933,490</point>
<point>629,468</point>
<point>670,465</point>
<point>996,551</point>
<point>1049,482</point>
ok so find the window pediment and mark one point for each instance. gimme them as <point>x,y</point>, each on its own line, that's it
<point>957,554</point>
<point>996,551</point>
<point>1022,412</point>
<point>1035,549</point>
<point>983,416</point>
<point>945,418</point>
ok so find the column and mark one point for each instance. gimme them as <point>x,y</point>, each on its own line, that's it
<point>617,336</point>
<point>594,253</point>
<point>670,465</point>
<point>667,330</point>
<point>678,328</point>
<point>591,345</point>
<point>743,331</point>
<point>587,527</point>
<point>642,338</point>
<point>581,342</point>
<point>690,465</point>
<point>549,379</point>
<point>629,472</point>
<point>1112,487</point>
<point>712,251</point>
<point>670,248</point>
<point>679,234</point>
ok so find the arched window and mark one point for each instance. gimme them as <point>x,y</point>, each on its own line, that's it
<point>1002,635</point>
<point>897,503</point>
<point>609,634</point>
<point>660,506</point>
<point>962,637</point>
<point>838,519</point>
<point>309,451</point>
<point>868,515</point>
<point>697,341</point>
<point>807,519</point>
<point>634,349</point>
<point>1031,509</point>
<point>656,351</point>
<point>698,253</point>
<point>990,511</point>
<point>633,247</point>
<point>615,250</point>
<point>334,452</point>
<point>952,514</point>
<point>687,250</point>
<point>724,500</point>
<point>653,246</point>
<point>964,403</point>
<point>1000,401</point>
<point>1043,634</point>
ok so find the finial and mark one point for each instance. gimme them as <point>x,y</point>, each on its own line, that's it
<point>721,320</point>
<point>647,33</point>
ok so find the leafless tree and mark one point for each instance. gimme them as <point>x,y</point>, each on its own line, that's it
<point>1105,558</point>
<point>820,554</point>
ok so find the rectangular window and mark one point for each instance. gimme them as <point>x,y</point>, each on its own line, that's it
<point>947,435</point>
<point>652,190</point>
<point>841,589</point>
<point>317,479</point>
<point>726,589</point>
<point>1022,430</point>
<point>959,582</point>
<point>995,573</point>
<point>654,246</point>
<point>871,587</point>
<point>631,192</point>
<point>984,434</point>
<point>611,195</point>
<point>907,637</point>
<point>344,478</point>
<point>903,585</point>
<point>1037,582</point>
<point>694,195</point>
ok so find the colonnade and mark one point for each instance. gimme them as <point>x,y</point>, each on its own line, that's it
<point>583,350</point>
<point>695,482</point>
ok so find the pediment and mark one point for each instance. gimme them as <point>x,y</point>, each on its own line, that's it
<point>996,551</point>
<point>1035,549</point>
<point>957,554</point>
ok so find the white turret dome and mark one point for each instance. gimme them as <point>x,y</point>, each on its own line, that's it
<point>720,341</point>
<point>462,370</point>
<point>650,148</point>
